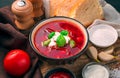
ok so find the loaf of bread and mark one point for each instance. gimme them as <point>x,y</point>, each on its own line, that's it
<point>85,11</point>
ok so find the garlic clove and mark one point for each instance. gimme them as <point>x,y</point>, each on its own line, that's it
<point>105,57</point>
<point>93,53</point>
<point>109,50</point>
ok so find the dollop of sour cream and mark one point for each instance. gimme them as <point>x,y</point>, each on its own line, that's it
<point>54,38</point>
<point>96,71</point>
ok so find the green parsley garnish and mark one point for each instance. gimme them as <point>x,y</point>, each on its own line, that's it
<point>61,41</point>
<point>51,35</point>
<point>64,32</point>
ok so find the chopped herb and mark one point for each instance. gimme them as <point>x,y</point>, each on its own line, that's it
<point>61,41</point>
<point>46,42</point>
<point>72,43</point>
<point>51,35</point>
<point>64,32</point>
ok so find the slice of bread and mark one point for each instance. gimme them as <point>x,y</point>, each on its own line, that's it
<point>85,11</point>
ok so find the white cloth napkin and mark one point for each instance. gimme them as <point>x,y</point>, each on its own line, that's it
<point>112,17</point>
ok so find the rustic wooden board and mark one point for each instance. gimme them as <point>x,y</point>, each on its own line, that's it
<point>77,66</point>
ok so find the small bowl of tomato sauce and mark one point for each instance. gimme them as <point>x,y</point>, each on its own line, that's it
<point>59,39</point>
<point>59,73</point>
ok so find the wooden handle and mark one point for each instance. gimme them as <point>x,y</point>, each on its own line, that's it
<point>37,7</point>
<point>23,11</point>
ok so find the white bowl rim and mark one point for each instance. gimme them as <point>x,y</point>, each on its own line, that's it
<point>92,29</point>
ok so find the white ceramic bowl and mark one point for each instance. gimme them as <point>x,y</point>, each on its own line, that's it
<point>102,35</point>
<point>93,68</point>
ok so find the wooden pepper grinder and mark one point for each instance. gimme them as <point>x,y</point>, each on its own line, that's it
<point>37,8</point>
<point>23,11</point>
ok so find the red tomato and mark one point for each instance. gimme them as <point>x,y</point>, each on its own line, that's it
<point>17,62</point>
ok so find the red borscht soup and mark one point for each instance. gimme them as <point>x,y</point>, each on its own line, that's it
<point>60,75</point>
<point>59,38</point>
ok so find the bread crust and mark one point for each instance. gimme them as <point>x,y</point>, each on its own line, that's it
<point>85,11</point>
